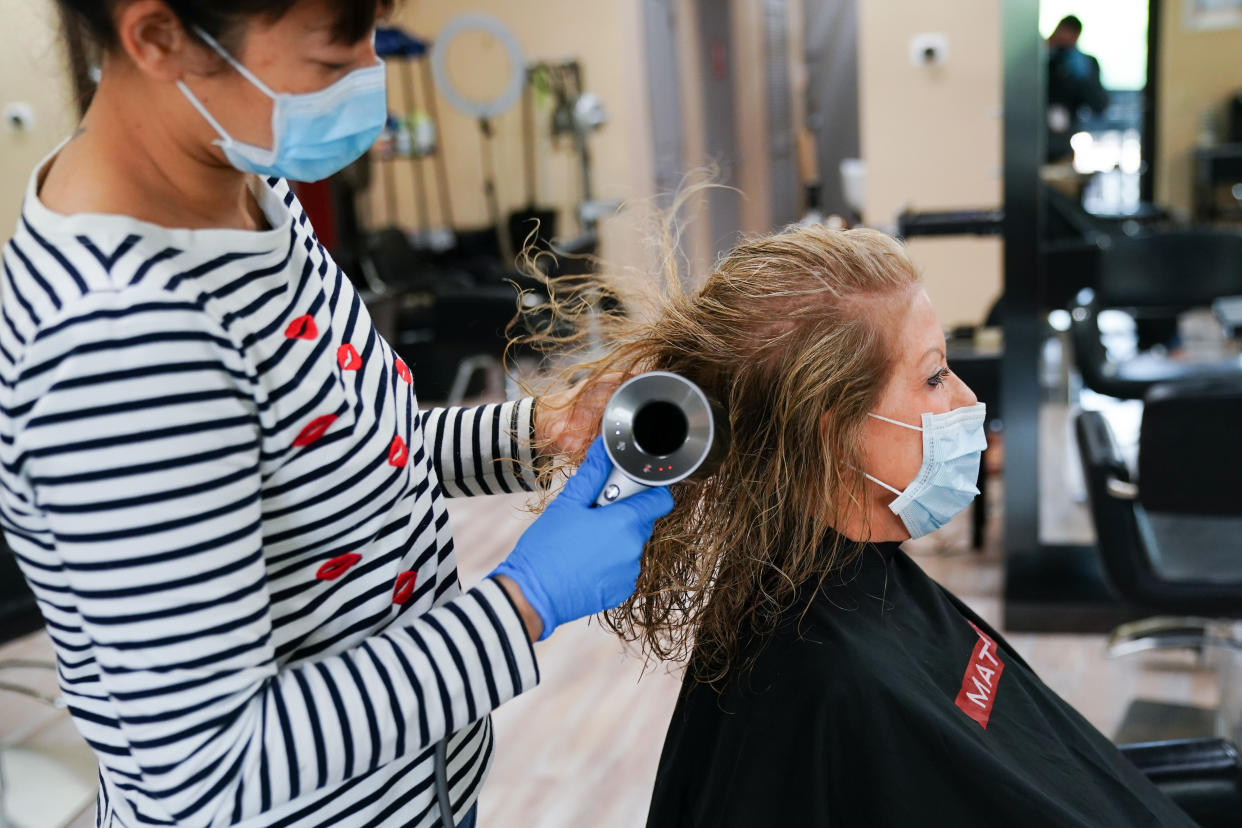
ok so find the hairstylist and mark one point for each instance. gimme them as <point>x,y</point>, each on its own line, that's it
<point>216,476</point>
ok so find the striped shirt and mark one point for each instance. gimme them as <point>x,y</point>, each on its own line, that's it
<point>219,485</point>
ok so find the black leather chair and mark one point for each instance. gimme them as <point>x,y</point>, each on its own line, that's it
<point>1155,277</point>
<point>1203,776</point>
<point>452,309</point>
<point>1170,543</point>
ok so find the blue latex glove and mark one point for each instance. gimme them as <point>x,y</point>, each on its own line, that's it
<point>576,561</point>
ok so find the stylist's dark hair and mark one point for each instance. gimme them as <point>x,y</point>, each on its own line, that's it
<point>89,30</point>
<point>354,18</point>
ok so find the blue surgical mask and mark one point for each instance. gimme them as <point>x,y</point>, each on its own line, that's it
<point>953,443</point>
<point>314,134</point>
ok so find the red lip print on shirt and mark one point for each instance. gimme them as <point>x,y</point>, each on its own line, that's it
<point>302,328</point>
<point>398,453</point>
<point>315,429</point>
<point>347,357</point>
<point>335,568</point>
<point>404,589</point>
<point>403,371</point>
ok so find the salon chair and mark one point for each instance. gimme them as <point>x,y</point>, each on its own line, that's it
<point>1203,776</point>
<point>452,310</point>
<point>449,314</point>
<point>1155,278</point>
<point>1172,541</point>
<point>470,324</point>
<point>1170,544</point>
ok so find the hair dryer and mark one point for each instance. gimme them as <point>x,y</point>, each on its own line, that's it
<point>659,428</point>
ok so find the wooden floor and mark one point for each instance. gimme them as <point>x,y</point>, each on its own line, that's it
<point>581,749</point>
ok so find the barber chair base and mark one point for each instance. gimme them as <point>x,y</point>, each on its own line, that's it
<point>467,369</point>
<point>1150,720</point>
<point>497,382</point>
<point>1175,632</point>
<point>1216,645</point>
<point>58,701</point>
<point>1060,588</point>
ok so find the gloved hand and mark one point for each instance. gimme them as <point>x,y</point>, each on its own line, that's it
<point>576,561</point>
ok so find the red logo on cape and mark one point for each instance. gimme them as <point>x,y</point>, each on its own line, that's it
<point>982,677</point>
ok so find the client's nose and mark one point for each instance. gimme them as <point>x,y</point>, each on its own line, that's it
<point>962,395</point>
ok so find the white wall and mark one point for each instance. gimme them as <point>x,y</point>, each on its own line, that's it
<point>31,71</point>
<point>1198,71</point>
<point>607,38</point>
<point>931,137</point>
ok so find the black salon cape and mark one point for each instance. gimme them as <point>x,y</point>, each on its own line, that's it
<point>853,719</point>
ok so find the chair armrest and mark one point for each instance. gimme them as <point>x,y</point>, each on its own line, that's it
<point>1202,776</point>
<point>1184,758</point>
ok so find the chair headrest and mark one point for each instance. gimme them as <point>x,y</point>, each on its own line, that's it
<point>1178,268</point>
<point>1190,447</point>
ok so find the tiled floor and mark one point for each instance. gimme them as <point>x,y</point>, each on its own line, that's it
<point>582,748</point>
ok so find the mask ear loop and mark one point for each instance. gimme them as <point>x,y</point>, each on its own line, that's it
<point>225,138</point>
<point>881,483</point>
<point>896,422</point>
<point>202,110</point>
<point>236,64</point>
<point>875,480</point>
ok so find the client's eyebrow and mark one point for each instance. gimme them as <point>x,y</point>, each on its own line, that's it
<point>933,350</point>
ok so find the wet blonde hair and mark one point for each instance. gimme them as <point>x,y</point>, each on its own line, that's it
<point>785,328</point>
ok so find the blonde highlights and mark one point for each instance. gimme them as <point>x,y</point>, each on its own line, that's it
<point>788,334</point>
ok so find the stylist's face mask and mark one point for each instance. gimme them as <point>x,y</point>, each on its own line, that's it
<point>314,134</point>
<point>953,443</point>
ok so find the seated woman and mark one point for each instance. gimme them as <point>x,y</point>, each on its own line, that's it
<point>830,680</point>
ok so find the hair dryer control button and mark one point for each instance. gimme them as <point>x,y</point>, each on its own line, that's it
<point>612,492</point>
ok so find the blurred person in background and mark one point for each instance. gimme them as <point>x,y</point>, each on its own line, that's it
<point>1073,83</point>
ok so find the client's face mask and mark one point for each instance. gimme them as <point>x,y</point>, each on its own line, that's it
<point>315,134</point>
<point>953,443</point>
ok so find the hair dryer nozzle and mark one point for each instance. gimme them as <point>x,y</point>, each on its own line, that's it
<point>659,428</point>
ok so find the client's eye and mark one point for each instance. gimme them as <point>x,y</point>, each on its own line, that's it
<point>937,379</point>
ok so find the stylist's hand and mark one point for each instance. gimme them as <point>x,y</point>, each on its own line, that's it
<point>566,422</point>
<point>576,561</point>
